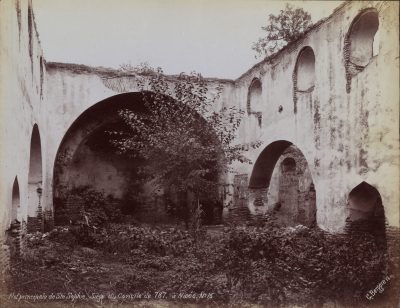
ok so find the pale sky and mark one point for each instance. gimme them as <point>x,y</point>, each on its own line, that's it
<point>213,37</point>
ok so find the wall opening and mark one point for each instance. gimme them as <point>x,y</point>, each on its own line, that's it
<point>282,172</point>
<point>13,233</point>
<point>366,213</point>
<point>365,204</point>
<point>88,162</point>
<point>15,202</point>
<point>303,78</point>
<point>35,174</point>
<point>363,38</point>
<point>254,99</point>
<point>305,70</point>
<point>361,43</point>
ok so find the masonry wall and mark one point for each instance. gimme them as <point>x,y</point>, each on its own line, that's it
<point>22,104</point>
<point>346,137</point>
<point>75,88</point>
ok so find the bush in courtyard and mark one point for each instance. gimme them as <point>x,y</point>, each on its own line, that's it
<point>277,264</point>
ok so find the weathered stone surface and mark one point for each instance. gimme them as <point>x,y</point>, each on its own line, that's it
<point>344,121</point>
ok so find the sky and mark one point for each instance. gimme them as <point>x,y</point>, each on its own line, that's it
<point>213,37</point>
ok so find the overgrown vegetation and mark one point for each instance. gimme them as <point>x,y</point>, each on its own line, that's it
<point>266,265</point>
<point>282,29</point>
<point>186,137</point>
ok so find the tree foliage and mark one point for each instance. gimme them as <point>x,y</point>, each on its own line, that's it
<point>282,29</point>
<point>185,137</point>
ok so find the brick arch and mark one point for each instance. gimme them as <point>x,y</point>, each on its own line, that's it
<point>360,43</point>
<point>361,36</point>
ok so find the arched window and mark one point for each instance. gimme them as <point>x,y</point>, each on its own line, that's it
<point>254,99</point>
<point>363,38</point>
<point>305,70</point>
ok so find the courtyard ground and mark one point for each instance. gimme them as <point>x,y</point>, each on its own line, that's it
<point>166,266</point>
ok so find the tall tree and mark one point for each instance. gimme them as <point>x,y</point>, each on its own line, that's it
<point>187,143</point>
<point>282,29</point>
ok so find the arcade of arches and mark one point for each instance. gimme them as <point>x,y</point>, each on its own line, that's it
<point>337,139</point>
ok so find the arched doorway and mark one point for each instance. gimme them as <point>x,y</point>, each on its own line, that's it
<point>35,182</point>
<point>366,212</point>
<point>282,170</point>
<point>15,202</point>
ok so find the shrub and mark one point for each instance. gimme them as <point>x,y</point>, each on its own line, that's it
<point>275,265</point>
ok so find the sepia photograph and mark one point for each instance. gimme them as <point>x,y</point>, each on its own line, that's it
<point>199,153</point>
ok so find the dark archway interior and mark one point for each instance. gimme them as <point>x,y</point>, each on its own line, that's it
<point>265,164</point>
<point>288,165</point>
<point>89,164</point>
<point>282,172</point>
<point>362,34</point>
<point>15,203</point>
<point>35,172</point>
<point>366,212</point>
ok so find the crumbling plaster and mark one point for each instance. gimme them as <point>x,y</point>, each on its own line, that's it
<point>346,138</point>
<point>21,103</point>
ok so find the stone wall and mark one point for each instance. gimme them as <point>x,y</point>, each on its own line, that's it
<point>347,135</point>
<point>344,120</point>
<point>22,105</point>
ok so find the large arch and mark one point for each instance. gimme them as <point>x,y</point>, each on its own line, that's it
<point>87,160</point>
<point>35,177</point>
<point>265,163</point>
<point>282,176</point>
<point>82,159</point>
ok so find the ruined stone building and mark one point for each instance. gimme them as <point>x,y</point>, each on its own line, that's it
<point>326,108</point>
